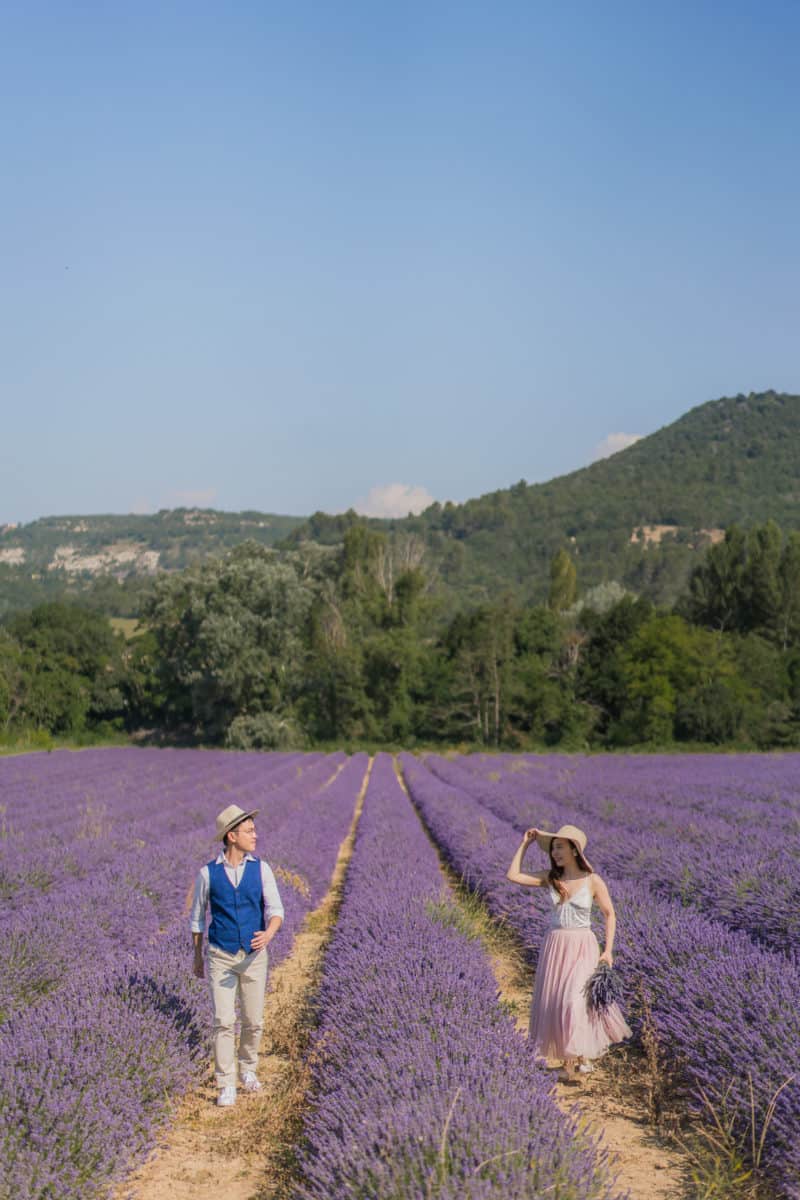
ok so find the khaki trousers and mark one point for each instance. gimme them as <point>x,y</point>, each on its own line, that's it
<point>232,976</point>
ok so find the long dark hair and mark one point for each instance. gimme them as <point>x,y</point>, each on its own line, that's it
<point>555,873</point>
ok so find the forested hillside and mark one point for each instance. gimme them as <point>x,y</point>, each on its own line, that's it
<point>641,517</point>
<point>107,561</point>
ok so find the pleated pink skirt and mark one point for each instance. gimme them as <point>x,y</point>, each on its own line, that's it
<point>561,1024</point>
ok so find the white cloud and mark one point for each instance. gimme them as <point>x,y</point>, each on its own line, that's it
<point>612,444</point>
<point>394,500</point>
<point>191,498</point>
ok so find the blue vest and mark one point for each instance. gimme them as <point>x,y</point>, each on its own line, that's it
<point>236,912</point>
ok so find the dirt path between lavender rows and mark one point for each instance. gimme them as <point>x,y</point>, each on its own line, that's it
<point>247,1151</point>
<point>609,1101</point>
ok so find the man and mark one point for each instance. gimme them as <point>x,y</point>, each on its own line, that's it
<point>246,913</point>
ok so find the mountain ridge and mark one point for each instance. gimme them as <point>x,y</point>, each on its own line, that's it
<point>639,516</point>
<point>735,459</point>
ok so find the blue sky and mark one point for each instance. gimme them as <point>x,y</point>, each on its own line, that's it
<point>288,257</point>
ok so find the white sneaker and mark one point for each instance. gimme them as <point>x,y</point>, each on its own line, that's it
<point>227,1096</point>
<point>586,1068</point>
<point>250,1083</point>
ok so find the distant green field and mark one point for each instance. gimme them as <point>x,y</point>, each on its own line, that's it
<point>127,626</point>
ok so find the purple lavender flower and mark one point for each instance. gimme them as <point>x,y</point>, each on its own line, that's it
<point>102,1024</point>
<point>603,988</point>
<point>722,1008</point>
<point>422,1087</point>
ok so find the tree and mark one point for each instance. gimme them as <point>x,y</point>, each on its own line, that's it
<point>788,610</point>
<point>563,582</point>
<point>333,702</point>
<point>761,590</point>
<point>142,682</point>
<point>55,697</point>
<point>480,649</point>
<point>680,682</point>
<point>71,667</point>
<point>716,592</point>
<point>67,632</point>
<point>766,672</point>
<point>601,678</point>
<point>11,680</point>
<point>229,638</point>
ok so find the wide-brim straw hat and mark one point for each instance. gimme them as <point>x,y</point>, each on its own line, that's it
<point>230,817</point>
<point>569,833</point>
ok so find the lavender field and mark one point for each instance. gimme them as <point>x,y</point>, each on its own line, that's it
<point>434,1093</point>
<point>102,1024</point>
<point>701,856</point>
<point>422,1086</point>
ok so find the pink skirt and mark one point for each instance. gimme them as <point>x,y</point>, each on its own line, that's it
<point>561,1024</point>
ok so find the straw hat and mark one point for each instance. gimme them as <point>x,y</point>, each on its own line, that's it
<point>569,833</point>
<point>230,817</point>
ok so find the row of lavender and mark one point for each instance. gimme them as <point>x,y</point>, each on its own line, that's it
<point>58,802</point>
<point>667,822</point>
<point>99,830</point>
<point>103,1020</point>
<point>423,1087</point>
<point>725,1010</point>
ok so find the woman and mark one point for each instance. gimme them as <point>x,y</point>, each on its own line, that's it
<point>562,1026</point>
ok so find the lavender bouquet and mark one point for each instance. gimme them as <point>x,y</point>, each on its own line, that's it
<point>603,988</point>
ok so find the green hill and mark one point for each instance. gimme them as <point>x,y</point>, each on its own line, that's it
<point>108,559</point>
<point>640,517</point>
<point>173,536</point>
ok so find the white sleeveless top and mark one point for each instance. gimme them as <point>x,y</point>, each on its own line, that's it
<point>574,913</point>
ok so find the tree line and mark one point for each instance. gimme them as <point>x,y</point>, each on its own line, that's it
<point>354,645</point>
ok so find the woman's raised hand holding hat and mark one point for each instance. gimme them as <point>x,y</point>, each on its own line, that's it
<point>569,833</point>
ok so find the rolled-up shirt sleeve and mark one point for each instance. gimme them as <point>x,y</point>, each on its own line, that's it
<point>197,916</point>
<point>272,899</point>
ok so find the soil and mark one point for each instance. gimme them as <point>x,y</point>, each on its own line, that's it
<point>247,1151</point>
<point>609,1100</point>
